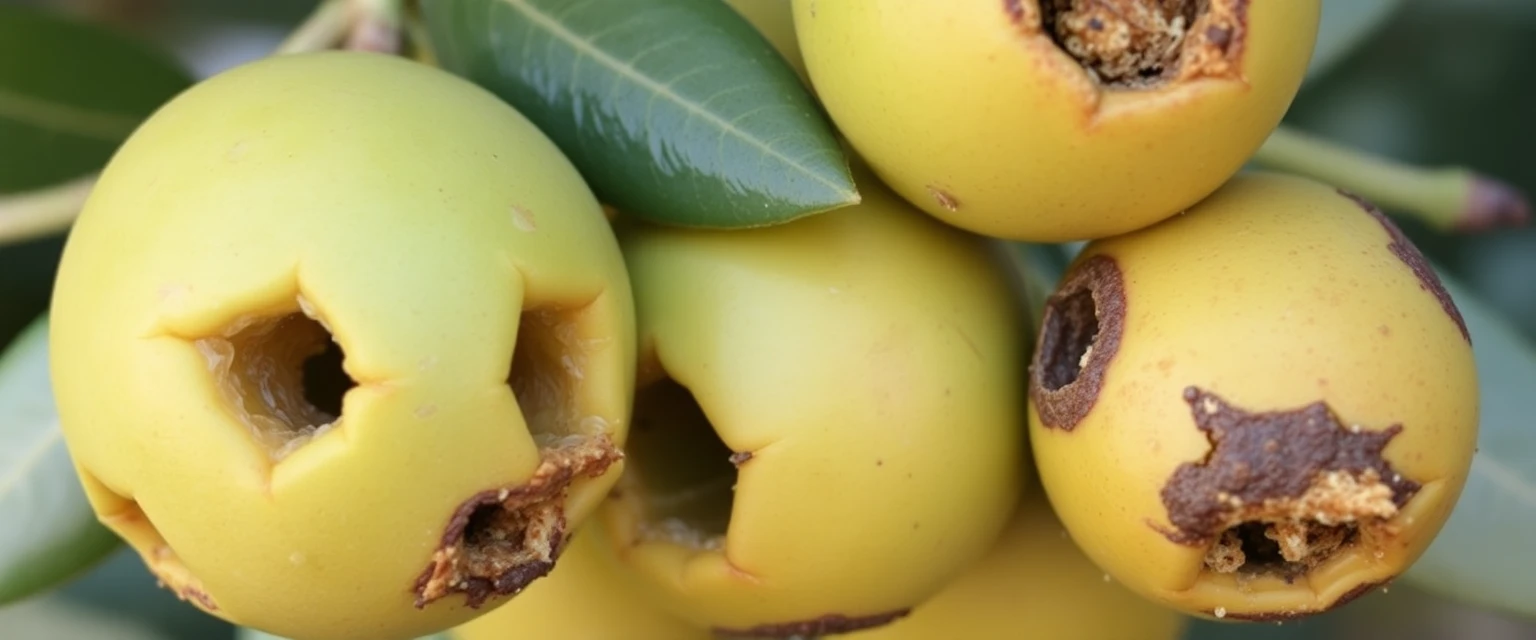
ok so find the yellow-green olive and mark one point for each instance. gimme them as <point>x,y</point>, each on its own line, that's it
<point>343,346</point>
<point>1257,410</point>
<point>829,424</point>
<point>1050,120</point>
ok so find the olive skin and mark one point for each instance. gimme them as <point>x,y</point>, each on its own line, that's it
<point>1278,361</point>
<point>313,203</point>
<point>859,372</point>
<point>588,596</point>
<point>1034,583</point>
<point>974,113</point>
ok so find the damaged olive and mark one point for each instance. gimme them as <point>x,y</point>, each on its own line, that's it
<point>1052,120</point>
<point>1035,583</point>
<point>343,347</point>
<point>1257,410</point>
<point>828,424</point>
<point>588,596</point>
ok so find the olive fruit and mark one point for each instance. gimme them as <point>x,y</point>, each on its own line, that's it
<point>1054,120</point>
<point>1257,410</point>
<point>828,421</point>
<point>1035,583</point>
<point>343,346</point>
<point>589,596</point>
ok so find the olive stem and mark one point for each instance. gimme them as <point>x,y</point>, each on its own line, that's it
<point>376,25</point>
<point>1448,198</point>
<point>40,212</point>
<point>322,29</point>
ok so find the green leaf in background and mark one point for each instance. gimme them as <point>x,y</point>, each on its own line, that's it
<point>48,533</point>
<point>675,111</point>
<point>1484,555</point>
<point>1345,25</point>
<point>70,93</point>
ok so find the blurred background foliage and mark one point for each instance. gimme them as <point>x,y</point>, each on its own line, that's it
<point>1432,82</point>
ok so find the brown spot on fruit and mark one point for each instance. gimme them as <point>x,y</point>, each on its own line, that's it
<point>1409,254</point>
<point>740,457</point>
<point>501,540</point>
<point>1081,329</point>
<point>826,625</point>
<point>1141,43</point>
<point>1281,492</point>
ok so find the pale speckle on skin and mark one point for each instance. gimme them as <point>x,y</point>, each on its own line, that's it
<point>426,410</point>
<point>1221,612</point>
<point>236,152</point>
<point>522,218</point>
<point>427,363</point>
<point>296,557</point>
<point>174,294</point>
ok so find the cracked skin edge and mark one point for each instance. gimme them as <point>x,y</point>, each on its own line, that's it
<point>529,523</point>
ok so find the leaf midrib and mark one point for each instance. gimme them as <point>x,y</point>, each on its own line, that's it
<point>66,118</point>
<point>30,458</point>
<point>586,47</point>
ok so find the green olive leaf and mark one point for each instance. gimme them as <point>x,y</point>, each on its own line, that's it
<point>1482,555</point>
<point>1345,25</point>
<point>48,533</point>
<point>70,93</point>
<point>675,111</point>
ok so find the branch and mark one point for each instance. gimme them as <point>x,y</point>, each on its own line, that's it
<point>1447,198</point>
<point>34,214</point>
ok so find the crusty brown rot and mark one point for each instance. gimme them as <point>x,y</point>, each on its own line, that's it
<point>830,624</point>
<point>1080,334</point>
<point>1282,491</point>
<point>1409,253</point>
<point>501,540</point>
<point>1141,43</point>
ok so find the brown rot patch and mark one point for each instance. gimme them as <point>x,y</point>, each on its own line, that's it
<point>499,541</point>
<point>1409,253</point>
<point>1282,492</point>
<point>1081,329</point>
<point>282,377</point>
<point>1140,43</point>
<point>826,625</point>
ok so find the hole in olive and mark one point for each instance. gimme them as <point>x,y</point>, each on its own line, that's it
<point>682,471</point>
<point>546,372</point>
<point>283,378</point>
<point>1284,549</point>
<point>1071,326</point>
<point>1122,42</point>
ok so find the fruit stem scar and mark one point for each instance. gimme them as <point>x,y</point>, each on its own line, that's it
<point>1141,43</point>
<point>500,540</point>
<point>1281,492</point>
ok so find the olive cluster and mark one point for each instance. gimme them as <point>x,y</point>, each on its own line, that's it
<point>334,379</point>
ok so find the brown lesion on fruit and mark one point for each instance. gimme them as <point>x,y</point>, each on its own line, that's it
<point>1141,43</point>
<point>1282,492</point>
<point>1081,330</point>
<point>281,376</point>
<point>499,541</point>
<point>831,624</point>
<point>1402,247</point>
<point>944,198</point>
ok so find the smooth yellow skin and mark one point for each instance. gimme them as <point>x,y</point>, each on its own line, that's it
<point>383,192</point>
<point>589,596</point>
<point>776,21</point>
<point>870,360</point>
<point>954,97</point>
<point>1034,584</point>
<point>1275,293</point>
